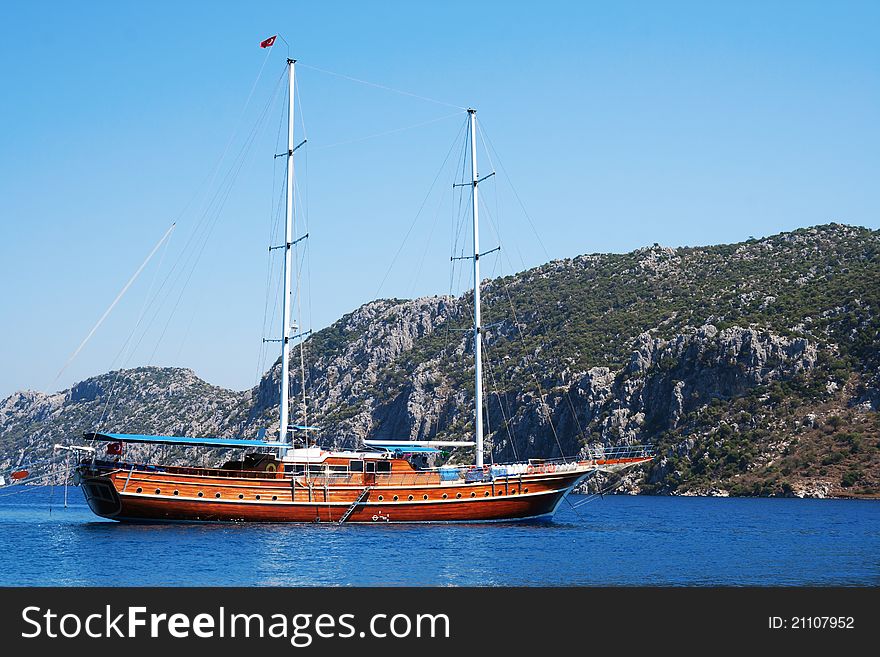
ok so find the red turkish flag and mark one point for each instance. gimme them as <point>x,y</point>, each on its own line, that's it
<point>268,42</point>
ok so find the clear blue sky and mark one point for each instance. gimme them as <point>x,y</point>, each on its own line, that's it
<point>620,125</point>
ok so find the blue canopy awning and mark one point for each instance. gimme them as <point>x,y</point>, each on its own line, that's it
<point>407,449</point>
<point>182,440</point>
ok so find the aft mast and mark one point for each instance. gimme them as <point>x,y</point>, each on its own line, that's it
<point>478,351</point>
<point>288,243</point>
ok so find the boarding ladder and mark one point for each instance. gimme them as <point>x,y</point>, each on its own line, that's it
<point>355,504</point>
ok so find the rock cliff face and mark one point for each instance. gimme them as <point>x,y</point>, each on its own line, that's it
<point>754,368</point>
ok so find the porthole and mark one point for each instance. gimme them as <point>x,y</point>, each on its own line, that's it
<point>445,496</point>
<point>486,494</point>
<point>139,490</point>
<point>256,497</point>
<point>381,498</point>
<point>473,494</point>
<point>525,490</point>
<point>501,492</point>
<point>424,497</point>
<point>395,498</point>
<point>513,492</point>
<point>240,496</point>
<point>458,496</point>
<point>274,497</point>
<point>177,492</point>
<point>216,494</point>
<point>410,498</point>
<point>158,491</point>
<point>201,494</point>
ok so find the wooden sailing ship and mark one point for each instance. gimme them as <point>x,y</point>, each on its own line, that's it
<point>282,481</point>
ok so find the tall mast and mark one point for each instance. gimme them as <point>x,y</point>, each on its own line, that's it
<point>478,351</point>
<point>288,241</point>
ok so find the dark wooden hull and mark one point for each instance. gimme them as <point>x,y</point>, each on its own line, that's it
<point>161,496</point>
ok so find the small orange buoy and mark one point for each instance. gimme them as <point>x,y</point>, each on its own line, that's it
<point>19,474</point>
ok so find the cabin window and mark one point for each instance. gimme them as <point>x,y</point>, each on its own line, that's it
<point>381,498</point>
<point>216,494</point>
<point>356,466</point>
<point>525,490</point>
<point>256,497</point>
<point>158,491</point>
<point>240,496</point>
<point>201,494</point>
<point>274,498</point>
<point>458,496</point>
<point>473,494</point>
<point>424,497</point>
<point>410,498</point>
<point>314,469</point>
<point>139,490</point>
<point>395,498</point>
<point>371,466</point>
<point>486,494</point>
<point>383,466</point>
<point>445,496</point>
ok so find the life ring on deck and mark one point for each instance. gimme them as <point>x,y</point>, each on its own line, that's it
<point>530,469</point>
<point>551,468</point>
<point>271,467</point>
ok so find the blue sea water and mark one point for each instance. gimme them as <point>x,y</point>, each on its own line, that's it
<point>615,540</point>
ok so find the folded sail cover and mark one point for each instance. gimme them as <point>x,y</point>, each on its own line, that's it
<point>182,440</point>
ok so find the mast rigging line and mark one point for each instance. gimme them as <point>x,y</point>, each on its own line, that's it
<point>218,202</point>
<point>386,132</point>
<point>541,394</point>
<point>504,415</point>
<point>215,170</point>
<point>275,215</point>
<point>488,142</point>
<point>487,145</point>
<point>381,86</point>
<point>131,335</point>
<point>428,242</point>
<point>418,214</point>
<point>115,301</point>
<point>565,392</point>
<point>201,231</point>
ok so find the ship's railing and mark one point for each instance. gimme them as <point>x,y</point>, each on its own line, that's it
<point>619,452</point>
<point>591,456</point>
<point>200,471</point>
<point>425,476</point>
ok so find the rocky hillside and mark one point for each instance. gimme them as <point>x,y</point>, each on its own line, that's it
<point>753,367</point>
<point>143,400</point>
